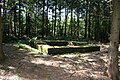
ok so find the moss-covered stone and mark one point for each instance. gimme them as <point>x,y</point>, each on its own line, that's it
<point>66,49</point>
<point>62,46</point>
<point>76,43</point>
<point>44,48</point>
<point>57,42</point>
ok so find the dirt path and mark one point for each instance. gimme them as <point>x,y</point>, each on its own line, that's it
<point>23,65</point>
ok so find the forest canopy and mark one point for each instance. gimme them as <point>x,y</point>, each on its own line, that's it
<point>76,19</point>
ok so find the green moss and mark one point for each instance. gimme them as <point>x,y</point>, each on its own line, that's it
<point>66,49</point>
<point>29,48</point>
<point>76,43</point>
<point>43,48</point>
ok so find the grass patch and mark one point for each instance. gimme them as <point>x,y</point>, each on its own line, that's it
<point>27,47</point>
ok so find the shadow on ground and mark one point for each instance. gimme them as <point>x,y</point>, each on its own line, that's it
<point>24,65</point>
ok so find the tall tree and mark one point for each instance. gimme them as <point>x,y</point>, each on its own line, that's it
<point>47,21</point>
<point>113,69</point>
<point>15,18</point>
<point>43,15</point>
<point>97,23</point>
<point>55,17</point>
<point>78,22</point>
<point>89,20</point>
<point>1,49</point>
<point>27,30</point>
<point>59,21</point>
<point>66,15</point>
<point>71,22</point>
<point>86,20</point>
<point>19,18</point>
<point>4,17</point>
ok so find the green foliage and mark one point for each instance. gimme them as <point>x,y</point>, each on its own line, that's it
<point>10,39</point>
<point>56,38</point>
<point>63,19</point>
<point>60,38</point>
<point>28,47</point>
<point>32,42</point>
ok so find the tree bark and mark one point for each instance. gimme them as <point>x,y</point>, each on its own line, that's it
<point>52,22</point>
<point>78,22</point>
<point>43,22</point>
<point>55,17</point>
<point>113,69</point>
<point>71,22</point>
<point>65,21</point>
<point>86,20</point>
<point>89,20</point>
<point>1,48</point>
<point>47,21</point>
<point>19,33</point>
<point>15,20</point>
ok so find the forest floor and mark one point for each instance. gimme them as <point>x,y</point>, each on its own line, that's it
<point>22,64</point>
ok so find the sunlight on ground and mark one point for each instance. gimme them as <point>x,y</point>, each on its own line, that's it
<point>75,70</point>
<point>69,63</point>
<point>69,55</point>
<point>14,77</point>
<point>77,66</point>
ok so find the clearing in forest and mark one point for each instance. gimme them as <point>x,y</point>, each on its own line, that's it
<point>22,64</point>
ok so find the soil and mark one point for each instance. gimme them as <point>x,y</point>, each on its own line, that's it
<point>21,64</point>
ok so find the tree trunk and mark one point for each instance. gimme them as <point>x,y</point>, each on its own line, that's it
<point>55,17</point>
<point>43,21</point>
<point>4,18</point>
<point>97,37</point>
<point>89,20</point>
<point>65,21</point>
<point>59,23</point>
<point>52,22</point>
<point>74,27</point>
<point>71,22</point>
<point>113,69</point>
<point>86,21</point>
<point>28,20</point>
<point>15,20</point>
<point>19,34</point>
<point>10,23</point>
<point>78,22</point>
<point>1,49</point>
<point>47,21</point>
